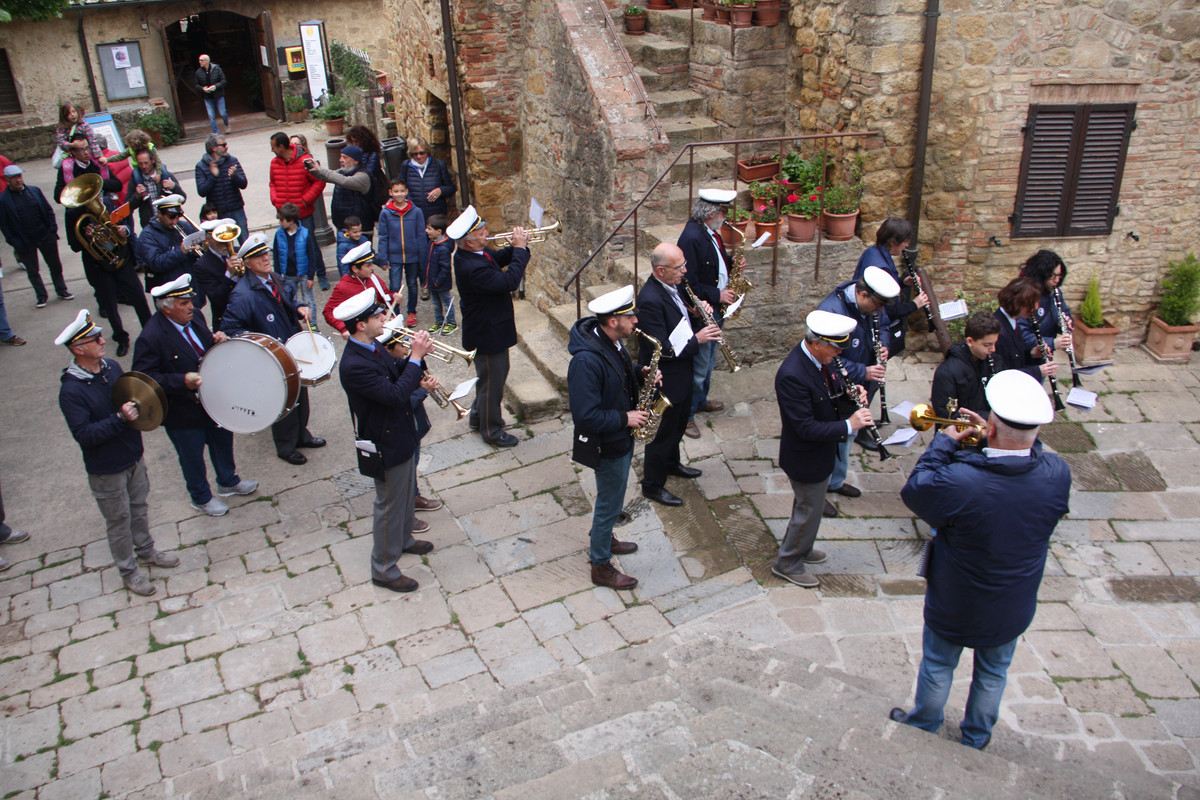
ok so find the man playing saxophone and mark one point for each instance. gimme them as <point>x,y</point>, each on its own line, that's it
<point>708,276</point>
<point>604,387</point>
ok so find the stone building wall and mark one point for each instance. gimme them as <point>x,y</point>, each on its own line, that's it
<point>859,67</point>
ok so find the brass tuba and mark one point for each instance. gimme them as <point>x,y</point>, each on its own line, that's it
<point>106,242</point>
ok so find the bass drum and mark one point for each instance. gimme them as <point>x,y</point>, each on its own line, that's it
<point>248,382</point>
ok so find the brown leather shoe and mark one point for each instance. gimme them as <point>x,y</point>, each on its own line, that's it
<point>401,584</point>
<point>620,548</point>
<point>419,547</point>
<point>607,575</point>
<point>846,490</point>
<point>830,510</point>
<point>427,503</point>
<point>692,431</point>
<point>711,405</point>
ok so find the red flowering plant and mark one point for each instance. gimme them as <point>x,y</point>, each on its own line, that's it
<point>807,204</point>
<point>765,212</point>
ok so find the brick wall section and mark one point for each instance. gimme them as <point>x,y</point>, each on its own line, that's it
<point>859,68</point>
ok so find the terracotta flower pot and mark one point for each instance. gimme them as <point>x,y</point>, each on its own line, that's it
<point>1094,344</point>
<point>635,24</point>
<point>741,16</point>
<point>1170,342</point>
<point>683,4</point>
<point>709,10</point>
<point>767,227</point>
<point>335,127</point>
<point>839,227</point>
<point>756,172</point>
<point>728,236</point>
<point>801,229</point>
<point>766,13</point>
<point>659,5</point>
<point>723,14</point>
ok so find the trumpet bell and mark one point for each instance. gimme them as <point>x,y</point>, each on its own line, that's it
<point>83,191</point>
<point>227,233</point>
<point>922,418</point>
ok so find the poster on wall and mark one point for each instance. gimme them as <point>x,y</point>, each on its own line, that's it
<point>312,40</point>
<point>102,125</point>
<point>121,57</point>
<point>137,80</point>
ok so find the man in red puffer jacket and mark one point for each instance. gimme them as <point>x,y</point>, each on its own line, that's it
<point>292,183</point>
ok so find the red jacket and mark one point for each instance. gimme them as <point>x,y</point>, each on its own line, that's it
<point>346,288</point>
<point>291,183</point>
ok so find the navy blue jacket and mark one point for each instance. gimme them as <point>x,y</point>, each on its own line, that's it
<point>1047,323</point>
<point>860,352</point>
<point>380,390</point>
<point>308,253</point>
<point>158,251</point>
<point>109,444</point>
<point>990,550</point>
<point>252,307</point>
<point>485,296</point>
<point>162,353</point>
<point>402,238</point>
<point>437,176</point>
<point>812,416</point>
<point>961,376</point>
<point>210,281</point>
<point>703,271</point>
<point>222,191</point>
<point>899,308</point>
<point>436,271</point>
<point>26,218</point>
<point>346,201</point>
<point>603,387</point>
<point>658,315</point>
<point>1011,352</point>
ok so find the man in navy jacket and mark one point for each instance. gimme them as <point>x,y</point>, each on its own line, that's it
<point>112,451</point>
<point>221,178</point>
<point>379,388</point>
<point>160,247</point>
<point>263,302</point>
<point>987,559</point>
<point>29,225</point>
<point>812,408</point>
<point>169,350</point>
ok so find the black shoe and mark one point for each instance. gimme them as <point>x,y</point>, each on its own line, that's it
<point>661,496</point>
<point>685,472</point>
<point>900,715</point>
<point>401,584</point>
<point>846,490</point>
<point>473,424</point>
<point>866,441</point>
<point>314,443</point>
<point>830,510</point>
<point>419,547</point>
<point>122,349</point>
<point>503,440</point>
<point>620,548</point>
<point>295,457</point>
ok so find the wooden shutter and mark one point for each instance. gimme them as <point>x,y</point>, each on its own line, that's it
<point>1071,170</point>
<point>10,101</point>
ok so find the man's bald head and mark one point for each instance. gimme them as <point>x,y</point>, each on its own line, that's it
<point>668,263</point>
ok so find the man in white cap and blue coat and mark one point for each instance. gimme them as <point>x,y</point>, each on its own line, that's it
<point>987,559</point>
<point>160,247</point>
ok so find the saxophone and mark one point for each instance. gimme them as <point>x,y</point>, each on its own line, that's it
<point>651,400</point>
<point>708,319</point>
<point>738,281</point>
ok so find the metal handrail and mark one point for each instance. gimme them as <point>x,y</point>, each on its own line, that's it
<point>690,149</point>
<point>638,86</point>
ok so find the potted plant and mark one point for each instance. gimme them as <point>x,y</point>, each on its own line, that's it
<point>722,9</point>
<point>1171,329</point>
<point>660,5</point>
<point>333,110</point>
<point>758,167</point>
<point>1093,338</point>
<point>807,173</point>
<point>766,220</point>
<point>768,190</point>
<point>162,127</point>
<point>840,214</point>
<point>708,10</point>
<point>802,211</point>
<point>766,13</point>
<point>635,20</point>
<point>297,107</point>
<point>738,218</point>
<point>741,13</point>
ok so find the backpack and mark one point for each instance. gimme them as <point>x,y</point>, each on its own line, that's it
<point>380,191</point>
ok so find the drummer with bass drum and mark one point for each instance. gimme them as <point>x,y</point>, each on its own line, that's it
<point>169,350</point>
<point>262,302</point>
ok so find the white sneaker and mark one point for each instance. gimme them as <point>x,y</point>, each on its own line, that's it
<point>214,508</point>
<point>243,487</point>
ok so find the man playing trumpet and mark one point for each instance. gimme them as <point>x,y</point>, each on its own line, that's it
<point>160,247</point>
<point>217,271</point>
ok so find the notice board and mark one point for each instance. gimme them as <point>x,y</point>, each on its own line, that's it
<point>121,68</point>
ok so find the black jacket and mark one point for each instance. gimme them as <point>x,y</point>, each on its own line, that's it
<point>109,444</point>
<point>485,296</point>
<point>1010,349</point>
<point>813,417</point>
<point>165,355</point>
<point>213,76</point>
<point>379,389</point>
<point>210,281</point>
<point>697,242</point>
<point>658,315</point>
<point>603,387</point>
<point>221,190</point>
<point>962,377</point>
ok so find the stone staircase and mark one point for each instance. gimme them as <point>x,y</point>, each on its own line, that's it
<point>711,711</point>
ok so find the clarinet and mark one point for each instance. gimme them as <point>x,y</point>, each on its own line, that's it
<point>991,359</point>
<point>910,266</point>
<point>881,359</point>
<point>848,385</point>
<point>1046,357</point>
<point>1064,323</point>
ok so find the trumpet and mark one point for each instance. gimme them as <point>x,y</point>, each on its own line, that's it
<point>922,418</point>
<point>442,397</point>
<point>535,235</point>
<point>442,352</point>
<point>228,234</point>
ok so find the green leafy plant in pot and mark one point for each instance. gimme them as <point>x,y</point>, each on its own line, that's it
<point>635,20</point>
<point>1171,330</point>
<point>1094,339</point>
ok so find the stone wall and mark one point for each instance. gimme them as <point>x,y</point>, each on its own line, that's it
<point>859,67</point>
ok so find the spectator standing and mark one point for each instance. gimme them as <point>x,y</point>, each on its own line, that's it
<point>349,238</point>
<point>220,179</point>
<point>439,276</point>
<point>29,225</point>
<point>429,181</point>
<point>149,181</point>
<point>290,182</point>
<point>297,255</point>
<point>351,189</point>
<point>6,337</point>
<point>210,78</point>
<point>402,244</point>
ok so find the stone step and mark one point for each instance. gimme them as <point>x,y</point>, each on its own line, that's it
<point>692,129</point>
<point>678,103</point>
<point>528,392</point>
<point>656,52</point>
<point>654,81</point>
<point>707,164</point>
<point>543,346</point>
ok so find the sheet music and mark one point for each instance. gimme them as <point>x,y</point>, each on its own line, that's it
<point>902,409</point>
<point>953,310</point>
<point>733,307</point>
<point>682,334</point>
<point>1081,398</point>
<point>193,239</point>
<point>1088,369</point>
<point>463,389</point>
<point>903,437</point>
<point>760,241</point>
<point>536,212</point>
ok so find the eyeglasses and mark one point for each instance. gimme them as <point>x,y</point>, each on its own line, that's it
<point>677,266</point>
<point>418,153</point>
<point>172,214</point>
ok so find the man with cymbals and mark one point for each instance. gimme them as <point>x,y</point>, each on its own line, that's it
<point>112,451</point>
<point>814,410</point>
<point>169,350</point>
<point>987,560</point>
<point>486,281</point>
<point>379,388</point>
<point>361,276</point>
<point>264,303</point>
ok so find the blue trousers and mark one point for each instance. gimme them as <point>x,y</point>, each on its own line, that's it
<point>702,367</point>
<point>6,332</point>
<point>189,445</point>
<point>442,304</point>
<point>938,660</point>
<point>215,106</point>
<point>611,478</point>
<point>409,272</point>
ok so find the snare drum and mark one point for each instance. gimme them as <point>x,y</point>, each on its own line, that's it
<point>248,382</point>
<point>314,356</point>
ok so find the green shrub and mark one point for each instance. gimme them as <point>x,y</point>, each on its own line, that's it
<point>335,106</point>
<point>163,123</point>
<point>634,11</point>
<point>803,174</point>
<point>295,103</point>
<point>1091,313</point>
<point>349,66</point>
<point>1181,292</point>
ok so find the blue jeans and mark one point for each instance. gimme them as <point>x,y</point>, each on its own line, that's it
<point>409,272</point>
<point>189,445</point>
<point>304,292</point>
<point>702,367</point>
<point>6,332</point>
<point>841,464</point>
<point>611,477</point>
<point>936,675</point>
<point>442,303</point>
<point>214,106</point>
<point>239,216</point>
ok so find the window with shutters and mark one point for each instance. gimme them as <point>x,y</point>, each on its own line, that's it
<point>1071,169</point>
<point>10,102</point>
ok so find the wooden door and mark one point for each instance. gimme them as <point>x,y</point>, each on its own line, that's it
<point>268,68</point>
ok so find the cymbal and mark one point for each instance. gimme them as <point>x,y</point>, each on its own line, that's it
<point>146,393</point>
